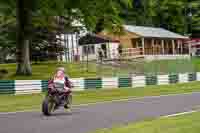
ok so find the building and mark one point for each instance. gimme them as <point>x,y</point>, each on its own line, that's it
<point>194,44</point>
<point>152,43</point>
<point>90,44</point>
<point>70,42</point>
<point>138,41</point>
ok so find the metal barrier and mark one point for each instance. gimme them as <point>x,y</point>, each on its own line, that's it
<point>37,86</point>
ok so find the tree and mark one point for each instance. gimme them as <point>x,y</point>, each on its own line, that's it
<point>23,19</point>
<point>168,14</point>
<point>7,32</point>
<point>33,13</point>
<point>195,22</point>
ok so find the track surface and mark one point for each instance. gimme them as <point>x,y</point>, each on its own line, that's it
<point>105,115</point>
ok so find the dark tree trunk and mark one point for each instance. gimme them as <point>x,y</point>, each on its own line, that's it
<point>23,38</point>
<point>2,55</point>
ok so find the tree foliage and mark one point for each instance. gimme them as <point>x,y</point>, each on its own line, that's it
<point>27,16</point>
<point>169,14</point>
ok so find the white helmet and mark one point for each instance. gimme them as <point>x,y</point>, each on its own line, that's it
<point>61,69</point>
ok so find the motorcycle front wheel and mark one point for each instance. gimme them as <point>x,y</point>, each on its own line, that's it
<point>48,106</point>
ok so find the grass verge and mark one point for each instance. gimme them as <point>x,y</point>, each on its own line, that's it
<point>9,103</point>
<point>180,124</point>
<point>44,70</point>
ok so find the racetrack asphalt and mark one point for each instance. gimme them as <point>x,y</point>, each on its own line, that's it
<point>86,119</point>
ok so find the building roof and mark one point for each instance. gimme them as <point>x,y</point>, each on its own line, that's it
<point>153,32</point>
<point>94,39</point>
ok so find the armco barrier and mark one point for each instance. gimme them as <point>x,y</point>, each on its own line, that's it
<point>162,79</point>
<point>44,85</point>
<point>192,77</point>
<point>27,86</point>
<point>124,82</point>
<point>7,87</point>
<point>80,84</point>
<point>151,80</point>
<point>93,83</point>
<point>173,78</point>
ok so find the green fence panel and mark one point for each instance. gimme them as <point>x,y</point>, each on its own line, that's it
<point>93,83</point>
<point>124,82</point>
<point>173,78</point>
<point>44,85</point>
<point>192,76</point>
<point>7,86</point>
<point>151,80</point>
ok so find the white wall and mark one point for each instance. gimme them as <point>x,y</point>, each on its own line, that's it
<point>193,51</point>
<point>113,49</point>
<point>70,42</point>
<point>72,48</point>
<point>83,56</point>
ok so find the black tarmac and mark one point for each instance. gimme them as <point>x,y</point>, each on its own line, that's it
<point>87,119</point>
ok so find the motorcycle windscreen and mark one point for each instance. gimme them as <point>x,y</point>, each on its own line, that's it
<point>59,84</point>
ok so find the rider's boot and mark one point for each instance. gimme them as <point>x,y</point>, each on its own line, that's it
<point>67,104</point>
<point>56,107</point>
<point>67,108</point>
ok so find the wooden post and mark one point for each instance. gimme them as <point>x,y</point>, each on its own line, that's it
<point>87,57</point>
<point>108,50</point>
<point>68,59</point>
<point>189,47</point>
<point>168,46</point>
<point>181,44</point>
<point>173,47</point>
<point>143,50</point>
<point>60,56</point>
<point>72,47</point>
<point>136,43</point>
<point>152,44</point>
<point>178,46</point>
<point>77,45</point>
<point>163,49</point>
<point>65,47</point>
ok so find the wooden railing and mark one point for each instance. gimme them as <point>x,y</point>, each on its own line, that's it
<point>132,52</point>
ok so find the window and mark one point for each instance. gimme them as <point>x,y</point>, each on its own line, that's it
<point>133,43</point>
<point>84,49</point>
<point>139,41</point>
<point>89,49</point>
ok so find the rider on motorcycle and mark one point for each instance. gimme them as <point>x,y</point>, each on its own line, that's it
<point>61,80</point>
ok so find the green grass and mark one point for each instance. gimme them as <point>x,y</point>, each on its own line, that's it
<point>166,66</point>
<point>45,70</point>
<point>33,101</point>
<point>180,124</point>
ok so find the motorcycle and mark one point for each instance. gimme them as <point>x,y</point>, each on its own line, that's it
<point>55,99</point>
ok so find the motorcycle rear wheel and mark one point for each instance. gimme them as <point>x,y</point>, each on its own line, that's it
<point>48,106</point>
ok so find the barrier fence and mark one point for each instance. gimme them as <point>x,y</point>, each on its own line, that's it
<point>80,84</point>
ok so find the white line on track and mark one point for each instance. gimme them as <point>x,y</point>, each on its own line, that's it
<point>182,113</point>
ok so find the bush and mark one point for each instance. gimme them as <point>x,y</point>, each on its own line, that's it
<point>10,61</point>
<point>3,71</point>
